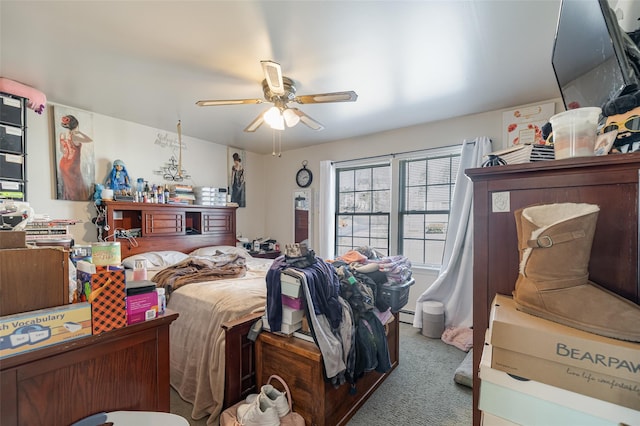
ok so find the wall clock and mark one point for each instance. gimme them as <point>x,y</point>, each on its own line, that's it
<point>304,176</point>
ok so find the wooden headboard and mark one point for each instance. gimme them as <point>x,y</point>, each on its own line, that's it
<point>169,226</point>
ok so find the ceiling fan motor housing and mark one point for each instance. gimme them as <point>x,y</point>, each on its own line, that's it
<point>289,91</point>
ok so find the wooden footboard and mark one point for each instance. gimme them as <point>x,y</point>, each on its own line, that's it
<point>299,363</point>
<point>240,371</point>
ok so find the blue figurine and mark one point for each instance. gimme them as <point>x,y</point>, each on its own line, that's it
<point>119,180</point>
<point>97,195</point>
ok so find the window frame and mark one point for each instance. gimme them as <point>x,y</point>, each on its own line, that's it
<point>435,154</point>
<point>354,214</point>
<point>395,222</point>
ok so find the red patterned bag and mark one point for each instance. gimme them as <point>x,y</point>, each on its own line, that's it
<point>108,308</point>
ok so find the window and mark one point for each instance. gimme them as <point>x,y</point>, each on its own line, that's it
<point>363,207</point>
<point>400,206</point>
<point>426,191</point>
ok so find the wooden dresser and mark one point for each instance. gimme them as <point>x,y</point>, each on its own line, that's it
<point>123,369</point>
<point>299,363</point>
<point>33,278</point>
<point>609,181</point>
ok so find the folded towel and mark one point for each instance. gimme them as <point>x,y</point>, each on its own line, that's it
<point>460,337</point>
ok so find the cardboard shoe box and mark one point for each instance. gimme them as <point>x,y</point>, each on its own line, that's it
<point>530,402</point>
<point>534,348</point>
<point>45,327</point>
<point>537,337</point>
<point>291,316</point>
<point>590,383</point>
<point>290,285</point>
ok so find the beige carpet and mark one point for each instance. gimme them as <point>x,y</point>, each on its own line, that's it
<point>421,391</point>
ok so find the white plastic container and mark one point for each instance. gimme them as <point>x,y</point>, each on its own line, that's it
<point>162,300</point>
<point>432,319</point>
<point>140,270</point>
<point>574,132</point>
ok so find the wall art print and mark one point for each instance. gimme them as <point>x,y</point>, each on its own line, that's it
<point>523,126</point>
<point>74,153</point>
<point>237,184</point>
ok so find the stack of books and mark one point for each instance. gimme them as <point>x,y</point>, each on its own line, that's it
<point>40,230</point>
<point>210,196</point>
<point>562,375</point>
<point>181,194</point>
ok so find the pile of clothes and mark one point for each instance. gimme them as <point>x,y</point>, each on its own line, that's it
<point>345,312</point>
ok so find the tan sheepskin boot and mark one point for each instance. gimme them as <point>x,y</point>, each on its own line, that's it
<point>555,241</point>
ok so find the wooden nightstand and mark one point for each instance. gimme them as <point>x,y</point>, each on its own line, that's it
<point>265,254</point>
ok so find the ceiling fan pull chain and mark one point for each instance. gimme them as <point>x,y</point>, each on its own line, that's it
<point>279,144</point>
<point>273,142</point>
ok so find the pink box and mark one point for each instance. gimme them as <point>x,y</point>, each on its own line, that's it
<point>292,302</point>
<point>142,307</point>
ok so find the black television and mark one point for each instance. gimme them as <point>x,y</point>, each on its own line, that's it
<point>593,58</point>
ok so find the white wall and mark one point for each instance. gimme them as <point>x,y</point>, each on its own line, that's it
<point>133,143</point>
<point>282,171</point>
<point>270,180</point>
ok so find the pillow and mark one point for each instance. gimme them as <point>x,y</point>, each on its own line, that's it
<point>212,250</point>
<point>259,265</point>
<point>156,259</point>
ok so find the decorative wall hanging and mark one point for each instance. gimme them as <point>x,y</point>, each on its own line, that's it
<point>74,153</point>
<point>172,170</point>
<point>524,125</point>
<point>237,185</point>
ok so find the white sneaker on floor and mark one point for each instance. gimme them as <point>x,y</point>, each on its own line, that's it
<point>273,398</point>
<point>258,413</point>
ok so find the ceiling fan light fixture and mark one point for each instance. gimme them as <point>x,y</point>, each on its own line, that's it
<point>274,119</point>
<point>290,117</point>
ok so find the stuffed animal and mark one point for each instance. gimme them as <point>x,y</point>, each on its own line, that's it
<point>623,114</point>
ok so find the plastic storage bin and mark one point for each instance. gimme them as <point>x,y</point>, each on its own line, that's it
<point>396,295</point>
<point>574,132</point>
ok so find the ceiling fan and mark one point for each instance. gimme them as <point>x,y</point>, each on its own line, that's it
<point>280,91</point>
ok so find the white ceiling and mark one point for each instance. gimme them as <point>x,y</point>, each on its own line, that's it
<point>410,62</point>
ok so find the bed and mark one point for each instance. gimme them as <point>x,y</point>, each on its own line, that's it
<point>212,362</point>
<point>215,316</point>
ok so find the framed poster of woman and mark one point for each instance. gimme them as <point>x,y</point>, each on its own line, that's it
<point>237,184</point>
<point>74,153</point>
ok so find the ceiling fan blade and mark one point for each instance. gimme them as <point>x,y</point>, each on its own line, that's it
<point>349,96</point>
<point>305,119</point>
<point>257,122</point>
<point>273,75</point>
<point>218,102</point>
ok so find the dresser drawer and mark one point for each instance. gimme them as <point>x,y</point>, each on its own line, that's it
<point>11,139</point>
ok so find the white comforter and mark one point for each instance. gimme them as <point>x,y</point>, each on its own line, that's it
<point>197,346</point>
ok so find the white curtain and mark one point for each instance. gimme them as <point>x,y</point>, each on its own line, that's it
<point>454,285</point>
<point>326,207</point>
